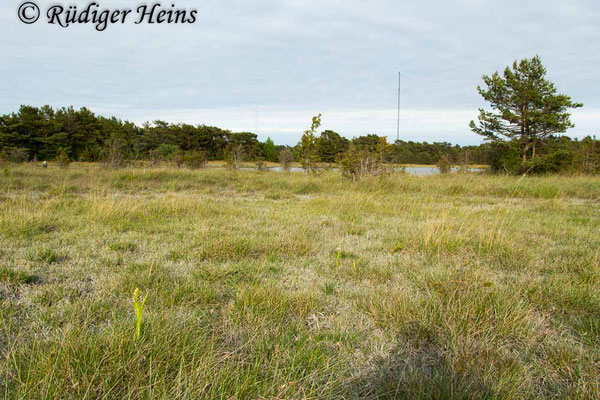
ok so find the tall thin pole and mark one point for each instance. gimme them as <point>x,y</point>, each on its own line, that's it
<point>398,121</point>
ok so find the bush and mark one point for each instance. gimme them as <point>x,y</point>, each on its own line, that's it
<point>115,155</point>
<point>587,155</point>
<point>178,160</point>
<point>194,159</point>
<point>155,156</point>
<point>504,157</point>
<point>559,161</point>
<point>358,162</point>
<point>167,151</point>
<point>233,156</point>
<point>285,159</point>
<point>63,158</point>
<point>444,164</point>
<point>14,154</point>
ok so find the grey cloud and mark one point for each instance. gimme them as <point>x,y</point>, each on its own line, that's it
<point>303,55</point>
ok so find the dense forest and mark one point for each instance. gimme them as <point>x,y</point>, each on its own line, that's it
<point>43,133</point>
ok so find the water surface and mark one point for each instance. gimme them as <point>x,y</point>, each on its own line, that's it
<point>420,171</point>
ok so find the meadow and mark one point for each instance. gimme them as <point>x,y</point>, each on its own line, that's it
<point>289,285</point>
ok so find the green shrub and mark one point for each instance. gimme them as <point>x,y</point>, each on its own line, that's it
<point>357,162</point>
<point>63,158</point>
<point>167,151</point>
<point>19,277</point>
<point>14,154</point>
<point>559,161</point>
<point>504,157</point>
<point>194,159</point>
<point>444,164</point>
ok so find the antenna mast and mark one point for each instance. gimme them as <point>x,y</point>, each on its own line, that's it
<point>398,121</point>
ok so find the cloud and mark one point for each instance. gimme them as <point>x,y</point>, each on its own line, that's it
<point>297,57</point>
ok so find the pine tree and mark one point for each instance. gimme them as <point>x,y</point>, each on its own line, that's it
<point>525,107</point>
<point>269,150</point>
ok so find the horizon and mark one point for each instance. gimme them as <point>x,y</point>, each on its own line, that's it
<point>263,137</point>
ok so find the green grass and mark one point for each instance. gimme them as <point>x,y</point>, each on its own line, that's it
<point>285,285</point>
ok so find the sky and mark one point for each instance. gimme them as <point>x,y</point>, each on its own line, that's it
<point>269,66</point>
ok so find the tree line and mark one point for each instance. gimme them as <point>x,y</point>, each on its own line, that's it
<point>43,133</point>
<point>522,131</point>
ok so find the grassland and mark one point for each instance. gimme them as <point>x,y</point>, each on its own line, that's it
<point>285,285</point>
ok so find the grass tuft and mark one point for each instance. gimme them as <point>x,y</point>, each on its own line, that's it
<point>17,276</point>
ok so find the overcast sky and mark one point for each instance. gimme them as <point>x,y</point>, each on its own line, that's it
<point>272,65</point>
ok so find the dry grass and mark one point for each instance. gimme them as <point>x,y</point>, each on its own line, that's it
<point>283,285</point>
